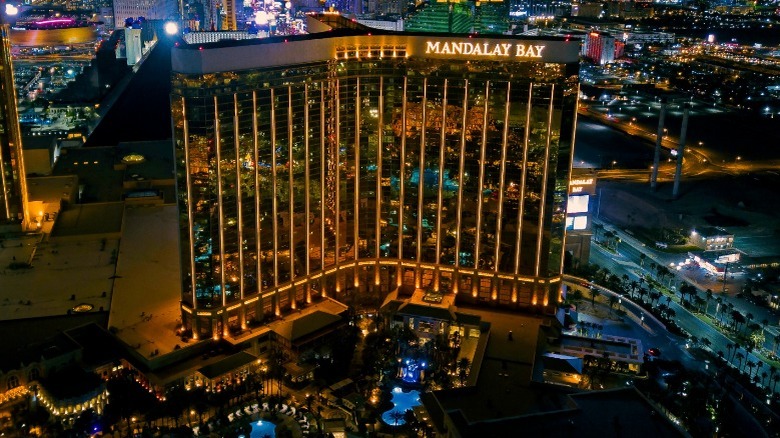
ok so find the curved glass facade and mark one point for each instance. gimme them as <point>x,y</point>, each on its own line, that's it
<point>370,169</point>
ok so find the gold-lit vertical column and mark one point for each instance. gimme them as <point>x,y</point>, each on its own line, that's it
<point>337,159</point>
<point>421,185</point>
<point>461,178</point>
<point>356,201</point>
<point>523,176</point>
<point>190,213</point>
<point>440,196</point>
<point>378,206</point>
<point>543,200</point>
<point>239,212</point>
<point>568,175</point>
<point>274,205</point>
<point>402,180</point>
<point>258,215</point>
<point>291,196</point>
<point>323,172</point>
<point>221,215</point>
<point>480,195</point>
<point>501,190</point>
<point>307,188</point>
<point>519,237</point>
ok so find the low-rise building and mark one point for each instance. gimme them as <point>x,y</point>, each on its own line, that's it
<point>712,238</point>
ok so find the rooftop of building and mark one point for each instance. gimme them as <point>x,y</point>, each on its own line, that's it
<point>307,325</point>
<point>89,220</point>
<point>707,232</point>
<point>145,308</point>
<point>22,355</point>
<point>39,141</point>
<point>103,172</point>
<point>226,365</point>
<point>327,31</point>
<point>155,163</point>
<point>94,167</point>
<point>53,189</point>
<point>588,414</point>
<point>62,274</point>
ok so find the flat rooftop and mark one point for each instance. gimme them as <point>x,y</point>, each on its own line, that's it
<point>80,268</point>
<point>147,289</point>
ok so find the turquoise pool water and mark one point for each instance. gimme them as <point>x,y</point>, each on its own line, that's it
<point>262,428</point>
<point>402,401</point>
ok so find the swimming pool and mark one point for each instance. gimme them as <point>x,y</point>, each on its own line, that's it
<point>263,429</point>
<point>402,401</point>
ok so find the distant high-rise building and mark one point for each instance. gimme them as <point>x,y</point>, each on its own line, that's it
<point>601,47</point>
<point>229,8</point>
<point>359,162</point>
<point>149,9</point>
<point>13,179</point>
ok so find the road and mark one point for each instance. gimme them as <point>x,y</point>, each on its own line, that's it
<point>627,261</point>
<point>699,161</point>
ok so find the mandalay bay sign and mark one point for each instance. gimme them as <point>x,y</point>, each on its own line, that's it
<point>503,50</point>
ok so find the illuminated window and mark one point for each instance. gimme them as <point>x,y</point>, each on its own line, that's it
<point>13,382</point>
<point>578,204</point>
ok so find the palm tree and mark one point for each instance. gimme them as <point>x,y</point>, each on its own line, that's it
<point>775,378</point>
<point>700,302</point>
<point>463,369</point>
<point>396,416</point>
<point>707,296</point>
<point>597,229</point>
<point>633,286</point>
<point>706,342</point>
<point>609,236</point>
<point>594,292</point>
<point>642,293</point>
<point>642,258</point>
<point>612,301</point>
<point>729,346</point>
<point>750,365</point>
<point>749,318</point>
<point>737,319</point>
<point>764,375</point>
<point>740,356</point>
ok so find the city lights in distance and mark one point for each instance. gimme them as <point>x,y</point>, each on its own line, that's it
<point>261,17</point>
<point>171,28</point>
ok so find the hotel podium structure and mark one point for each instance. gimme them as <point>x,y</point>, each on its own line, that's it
<point>356,163</point>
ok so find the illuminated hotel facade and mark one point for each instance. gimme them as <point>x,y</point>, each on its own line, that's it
<point>13,179</point>
<point>347,162</point>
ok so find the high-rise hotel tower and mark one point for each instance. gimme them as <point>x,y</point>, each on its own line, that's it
<point>356,162</point>
<point>13,182</point>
